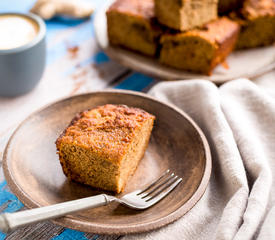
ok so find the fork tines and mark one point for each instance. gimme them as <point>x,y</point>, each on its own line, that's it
<point>161,187</point>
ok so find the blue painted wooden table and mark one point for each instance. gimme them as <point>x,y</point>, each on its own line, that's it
<point>67,73</point>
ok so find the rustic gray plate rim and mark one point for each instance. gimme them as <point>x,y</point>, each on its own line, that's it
<point>73,222</point>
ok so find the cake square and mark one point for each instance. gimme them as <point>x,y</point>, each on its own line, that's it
<point>257,21</point>
<point>103,146</point>
<point>200,50</point>
<point>132,24</point>
<point>185,14</point>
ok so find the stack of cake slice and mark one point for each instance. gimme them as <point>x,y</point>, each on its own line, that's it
<point>189,34</point>
<point>203,40</point>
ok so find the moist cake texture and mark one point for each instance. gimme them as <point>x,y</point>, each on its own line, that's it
<point>132,24</point>
<point>257,21</point>
<point>103,146</point>
<point>200,50</point>
<point>185,14</point>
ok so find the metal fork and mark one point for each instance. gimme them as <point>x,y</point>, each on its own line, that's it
<point>139,199</point>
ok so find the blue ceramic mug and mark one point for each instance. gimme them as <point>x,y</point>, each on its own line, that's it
<point>22,52</point>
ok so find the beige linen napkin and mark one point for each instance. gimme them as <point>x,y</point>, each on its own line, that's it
<point>238,120</point>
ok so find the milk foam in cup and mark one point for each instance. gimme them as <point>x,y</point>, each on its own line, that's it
<point>16,30</point>
<point>22,52</point>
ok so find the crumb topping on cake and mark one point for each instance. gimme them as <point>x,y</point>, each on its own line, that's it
<point>109,127</point>
<point>102,147</point>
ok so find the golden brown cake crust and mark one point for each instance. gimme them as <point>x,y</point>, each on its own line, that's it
<point>184,15</point>
<point>215,32</point>
<point>139,8</point>
<point>107,128</point>
<point>102,147</point>
<point>132,24</point>
<point>200,50</point>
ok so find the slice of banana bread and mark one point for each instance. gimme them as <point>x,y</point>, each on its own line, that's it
<point>200,50</point>
<point>132,24</point>
<point>257,21</point>
<point>185,14</point>
<point>103,146</point>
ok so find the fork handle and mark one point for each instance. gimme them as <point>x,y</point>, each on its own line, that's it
<point>10,221</point>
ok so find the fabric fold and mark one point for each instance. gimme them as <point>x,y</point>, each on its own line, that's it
<point>238,121</point>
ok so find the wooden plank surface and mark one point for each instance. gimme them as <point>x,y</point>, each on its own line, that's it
<point>75,65</point>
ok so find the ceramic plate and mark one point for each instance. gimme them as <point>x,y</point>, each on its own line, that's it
<point>34,174</point>
<point>245,63</point>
